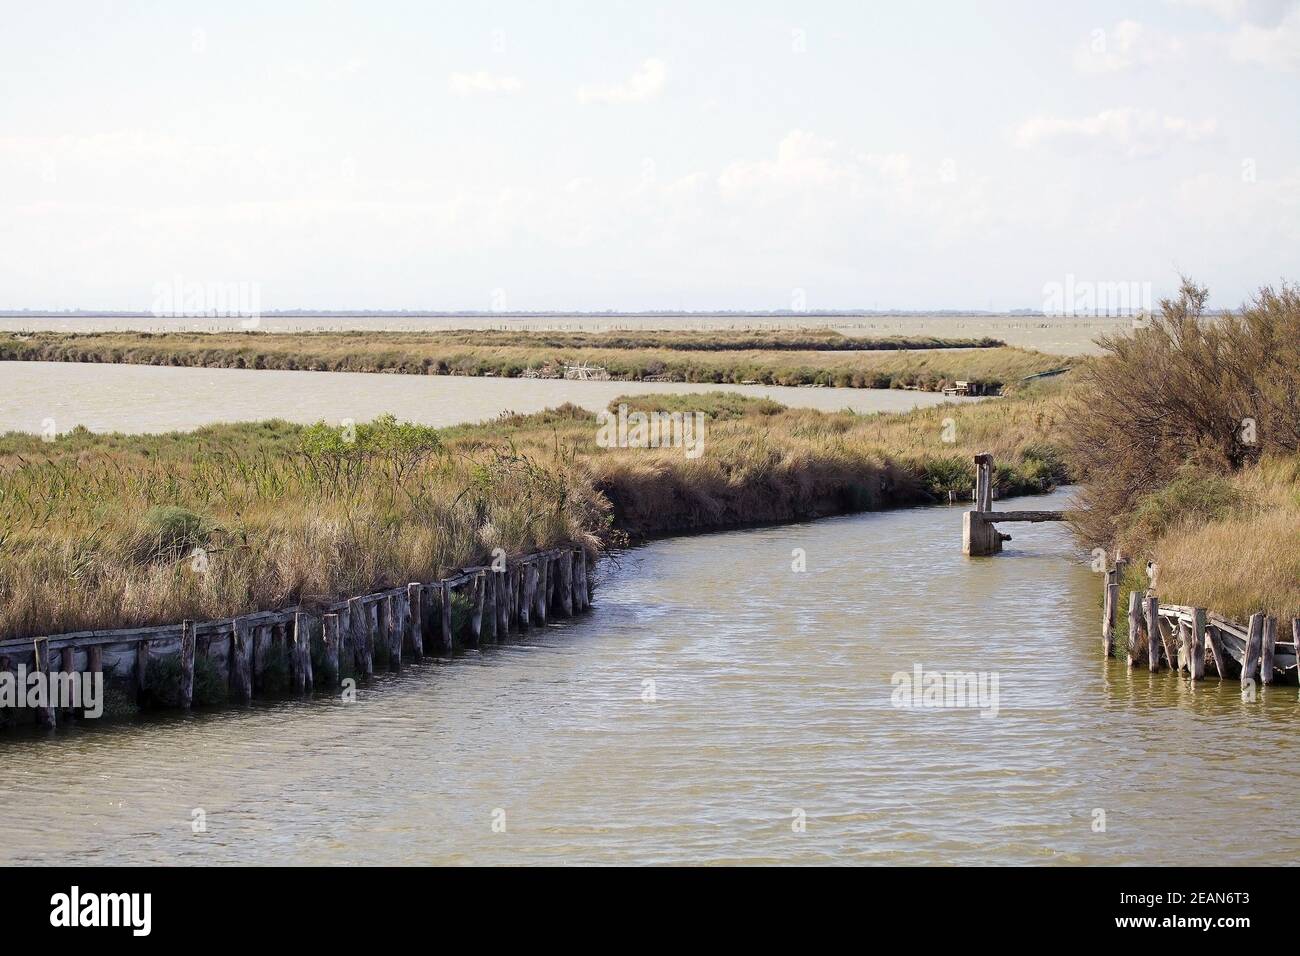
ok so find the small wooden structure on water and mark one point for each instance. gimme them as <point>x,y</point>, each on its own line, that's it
<point>1198,642</point>
<point>978,535</point>
<point>410,621</point>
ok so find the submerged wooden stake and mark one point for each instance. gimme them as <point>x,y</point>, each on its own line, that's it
<point>1109,599</point>
<point>477,596</point>
<point>396,625</point>
<point>1153,632</point>
<point>1136,645</point>
<point>1218,652</point>
<point>541,593</point>
<point>566,583</point>
<point>503,603</point>
<point>330,638</point>
<point>1267,650</point>
<point>526,594</point>
<point>445,610</point>
<point>1197,651</point>
<point>414,629</point>
<point>41,654</point>
<point>187,663</point>
<point>241,671</point>
<point>1254,640</point>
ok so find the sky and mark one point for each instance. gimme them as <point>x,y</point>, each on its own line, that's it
<point>575,156</point>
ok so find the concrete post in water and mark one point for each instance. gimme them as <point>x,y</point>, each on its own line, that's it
<point>414,629</point>
<point>445,609</point>
<point>331,637</point>
<point>41,664</point>
<point>187,664</point>
<point>1254,642</point>
<point>1136,645</point>
<point>1267,650</point>
<point>363,651</point>
<point>1153,632</point>
<point>1197,661</point>
<point>241,671</point>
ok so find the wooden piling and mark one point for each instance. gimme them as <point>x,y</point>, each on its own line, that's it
<point>1197,649</point>
<point>502,603</point>
<point>477,597</point>
<point>1168,640</point>
<point>363,650</point>
<point>241,672</point>
<point>187,664</point>
<point>414,630</point>
<point>566,583</point>
<point>1110,598</point>
<point>41,664</point>
<point>1218,652</point>
<point>445,613</point>
<point>1267,650</point>
<point>396,625</point>
<point>331,638</point>
<point>489,605</point>
<point>541,593</point>
<point>68,666</point>
<point>141,668</point>
<point>1153,632</point>
<point>300,653</point>
<point>526,598</point>
<point>1136,645</point>
<point>1254,642</point>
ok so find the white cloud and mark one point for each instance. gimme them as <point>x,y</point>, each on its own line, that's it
<point>1131,132</point>
<point>1126,45</point>
<point>645,84</point>
<point>467,84</point>
<point>1276,47</point>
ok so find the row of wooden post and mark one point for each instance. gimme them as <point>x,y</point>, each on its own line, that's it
<point>412,622</point>
<point>1151,638</point>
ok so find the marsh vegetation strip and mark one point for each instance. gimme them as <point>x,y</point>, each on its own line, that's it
<point>1059,335</point>
<point>141,398</point>
<point>772,695</point>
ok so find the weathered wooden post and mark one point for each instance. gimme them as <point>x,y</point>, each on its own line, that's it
<point>41,664</point>
<point>1136,645</point>
<point>330,638</point>
<point>363,649</point>
<point>141,669</point>
<point>445,610</point>
<point>241,672</point>
<point>1169,641</point>
<point>1267,650</point>
<point>94,660</point>
<point>1110,598</point>
<point>187,664</point>
<point>489,605</point>
<point>1197,662</point>
<point>542,592</point>
<point>566,582</point>
<point>503,603</point>
<point>527,596</point>
<point>415,624</point>
<point>300,653</point>
<point>1153,632</point>
<point>1254,640</point>
<point>396,625</point>
<point>1218,651</point>
<point>476,612</point>
<point>984,482</point>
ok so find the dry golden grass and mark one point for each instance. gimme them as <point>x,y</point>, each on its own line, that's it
<point>1247,562</point>
<point>101,530</point>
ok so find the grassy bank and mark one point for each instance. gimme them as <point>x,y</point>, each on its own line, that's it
<point>1187,435</point>
<point>102,530</point>
<point>777,358</point>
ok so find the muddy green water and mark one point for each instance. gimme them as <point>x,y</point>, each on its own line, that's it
<point>772,698</point>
